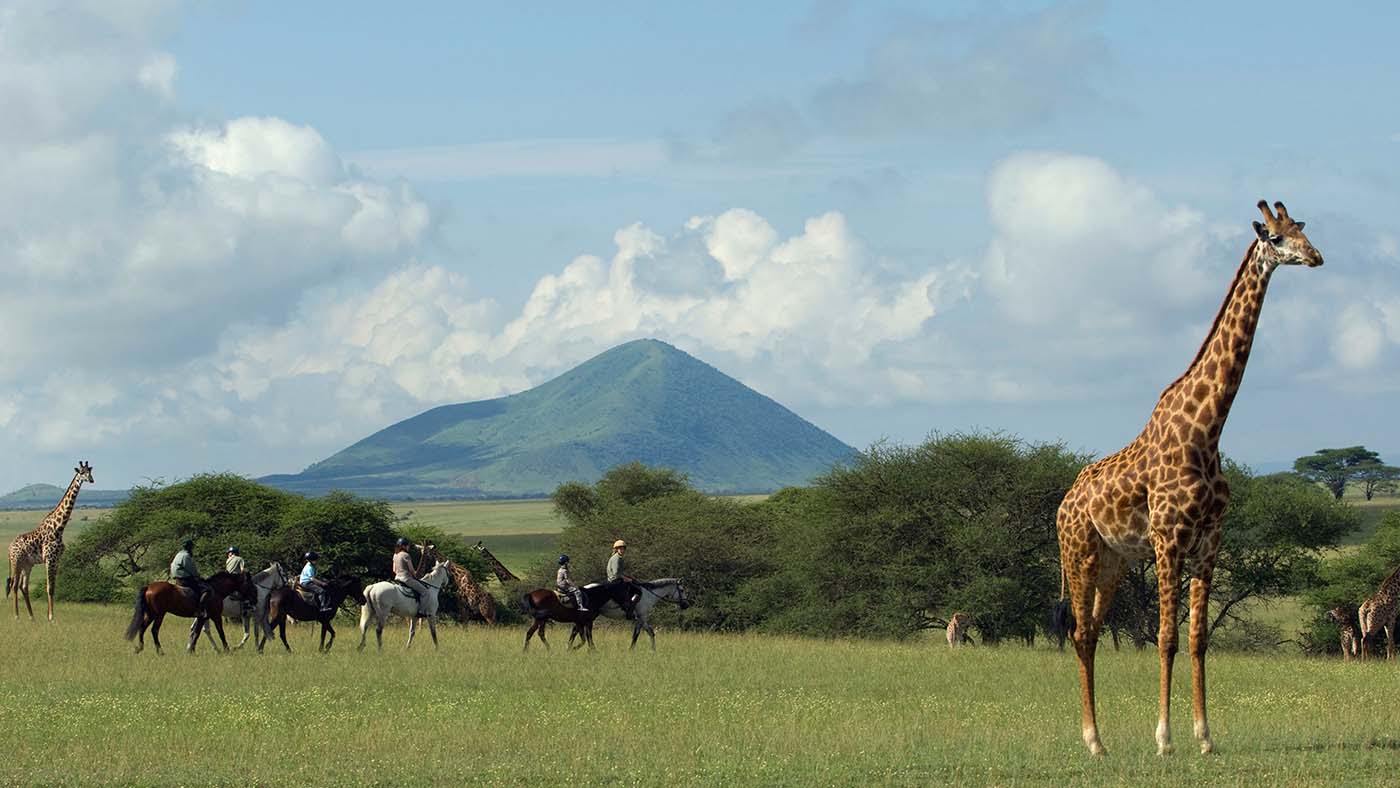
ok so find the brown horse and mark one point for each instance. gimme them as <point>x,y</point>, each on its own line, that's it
<point>287,601</point>
<point>155,600</point>
<point>544,606</point>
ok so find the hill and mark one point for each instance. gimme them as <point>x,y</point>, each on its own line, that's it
<point>46,496</point>
<point>644,400</point>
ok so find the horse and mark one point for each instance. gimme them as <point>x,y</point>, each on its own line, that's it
<point>652,592</point>
<point>287,602</point>
<point>266,581</point>
<point>544,606</point>
<point>386,596</point>
<point>155,600</point>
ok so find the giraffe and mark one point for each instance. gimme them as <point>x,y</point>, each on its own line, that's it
<point>1378,612</point>
<point>1347,631</point>
<point>44,544</point>
<point>1163,495</point>
<point>502,574</point>
<point>957,629</point>
<point>470,595</point>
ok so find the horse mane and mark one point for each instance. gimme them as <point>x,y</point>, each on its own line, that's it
<point>218,575</point>
<point>660,581</point>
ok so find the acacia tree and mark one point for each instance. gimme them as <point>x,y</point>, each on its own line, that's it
<point>1377,478</point>
<point>1333,468</point>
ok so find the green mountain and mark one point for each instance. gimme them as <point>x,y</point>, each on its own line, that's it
<point>46,496</point>
<point>644,400</point>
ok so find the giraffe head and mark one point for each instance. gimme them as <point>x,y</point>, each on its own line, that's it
<point>84,471</point>
<point>1340,615</point>
<point>1281,240</point>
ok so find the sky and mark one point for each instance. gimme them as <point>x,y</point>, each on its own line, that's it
<point>239,236</point>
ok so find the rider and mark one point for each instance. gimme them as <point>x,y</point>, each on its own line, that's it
<point>617,573</point>
<point>404,574</point>
<point>309,581</point>
<point>235,565</point>
<point>185,574</point>
<point>566,584</point>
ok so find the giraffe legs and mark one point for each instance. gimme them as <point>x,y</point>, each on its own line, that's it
<point>1200,594</point>
<point>1168,593</point>
<point>1092,574</point>
<point>50,576</point>
<point>24,587</point>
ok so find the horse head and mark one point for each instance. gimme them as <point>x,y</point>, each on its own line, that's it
<point>438,575</point>
<point>351,587</point>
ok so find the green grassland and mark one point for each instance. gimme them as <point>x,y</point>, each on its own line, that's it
<point>710,709</point>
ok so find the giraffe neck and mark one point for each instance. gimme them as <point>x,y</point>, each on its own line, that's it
<point>1214,377</point>
<point>1391,584</point>
<point>58,518</point>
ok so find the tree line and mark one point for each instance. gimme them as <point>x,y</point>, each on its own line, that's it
<point>902,537</point>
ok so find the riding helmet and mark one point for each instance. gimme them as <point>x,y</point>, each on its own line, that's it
<point>188,544</point>
<point>619,543</point>
<point>233,550</point>
<point>563,559</point>
<point>402,542</point>
<point>311,555</point>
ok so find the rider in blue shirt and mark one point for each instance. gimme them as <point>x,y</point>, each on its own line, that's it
<point>310,582</point>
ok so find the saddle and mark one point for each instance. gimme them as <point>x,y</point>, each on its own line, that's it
<point>565,598</point>
<point>406,588</point>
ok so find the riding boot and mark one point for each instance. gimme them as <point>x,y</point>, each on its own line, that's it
<point>578,602</point>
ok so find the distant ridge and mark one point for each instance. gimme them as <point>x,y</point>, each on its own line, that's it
<point>47,496</point>
<point>644,400</point>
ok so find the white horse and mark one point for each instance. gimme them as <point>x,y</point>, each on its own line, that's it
<point>386,597</point>
<point>266,581</point>
<point>652,591</point>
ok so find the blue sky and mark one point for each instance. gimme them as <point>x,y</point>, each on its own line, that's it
<point>243,235</point>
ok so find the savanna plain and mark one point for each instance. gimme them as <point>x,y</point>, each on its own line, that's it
<point>79,706</point>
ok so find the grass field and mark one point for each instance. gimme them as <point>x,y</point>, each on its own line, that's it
<point>710,709</point>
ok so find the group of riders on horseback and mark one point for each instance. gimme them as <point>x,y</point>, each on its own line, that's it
<point>617,576</point>
<point>184,573</point>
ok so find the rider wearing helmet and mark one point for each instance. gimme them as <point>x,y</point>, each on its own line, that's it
<point>185,574</point>
<point>404,573</point>
<point>235,564</point>
<point>566,584</point>
<point>310,582</point>
<point>617,573</point>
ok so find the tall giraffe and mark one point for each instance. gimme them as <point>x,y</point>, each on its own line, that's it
<point>470,595</point>
<point>502,574</point>
<point>1163,495</point>
<point>1378,613</point>
<point>44,544</point>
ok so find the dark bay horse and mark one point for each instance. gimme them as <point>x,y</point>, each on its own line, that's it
<point>287,601</point>
<point>155,600</point>
<point>542,605</point>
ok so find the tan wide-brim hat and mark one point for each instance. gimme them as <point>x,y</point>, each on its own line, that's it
<point>619,543</point>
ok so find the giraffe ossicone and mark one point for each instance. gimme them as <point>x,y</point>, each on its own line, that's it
<point>1163,495</point>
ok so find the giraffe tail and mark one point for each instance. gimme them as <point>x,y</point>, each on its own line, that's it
<point>138,617</point>
<point>7,587</point>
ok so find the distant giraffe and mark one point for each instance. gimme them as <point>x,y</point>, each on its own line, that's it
<point>470,595</point>
<point>1378,612</point>
<point>44,544</point>
<point>1163,496</point>
<point>957,629</point>
<point>502,574</point>
<point>1347,630</point>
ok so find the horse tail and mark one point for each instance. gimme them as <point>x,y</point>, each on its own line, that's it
<point>527,603</point>
<point>138,616</point>
<point>365,610</point>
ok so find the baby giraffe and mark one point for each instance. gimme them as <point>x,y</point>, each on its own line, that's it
<point>1348,632</point>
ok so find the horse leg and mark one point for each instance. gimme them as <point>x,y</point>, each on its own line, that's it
<point>412,630</point>
<point>529,633</point>
<point>432,629</point>
<point>326,627</point>
<point>588,632</point>
<point>156,621</point>
<point>651,633</point>
<point>364,623</point>
<point>281,626</point>
<point>199,623</point>
<point>243,619</point>
<point>542,640</point>
<point>219,627</point>
<point>636,631</point>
